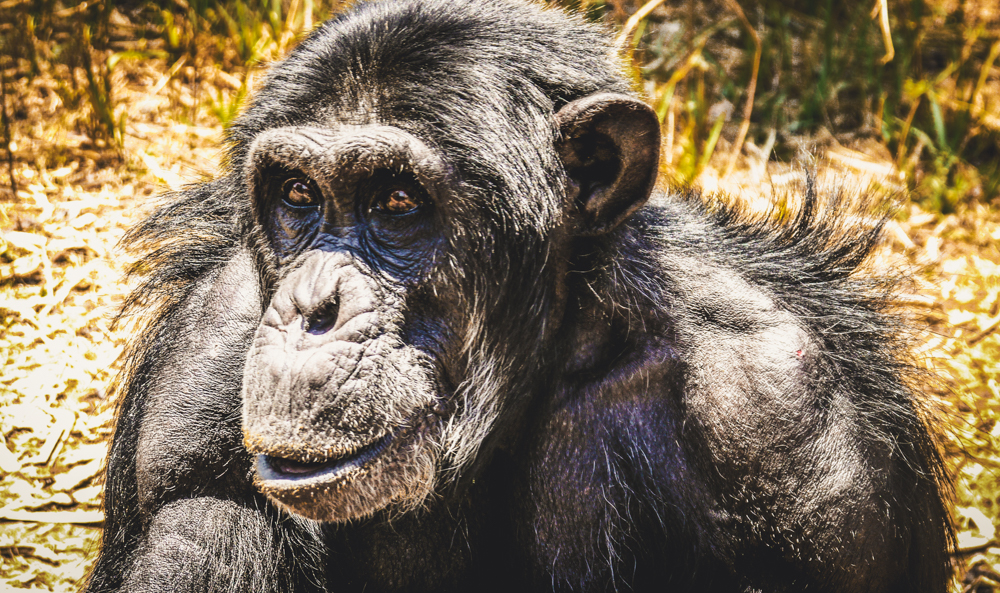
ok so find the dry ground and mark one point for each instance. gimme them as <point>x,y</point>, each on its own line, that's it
<point>60,284</point>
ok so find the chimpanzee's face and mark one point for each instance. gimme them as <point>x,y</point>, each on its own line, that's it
<point>348,384</point>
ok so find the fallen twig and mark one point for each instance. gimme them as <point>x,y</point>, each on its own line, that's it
<point>74,517</point>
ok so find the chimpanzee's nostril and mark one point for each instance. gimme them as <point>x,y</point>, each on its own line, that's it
<point>323,318</point>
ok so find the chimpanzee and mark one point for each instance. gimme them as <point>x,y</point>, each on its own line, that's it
<point>434,330</point>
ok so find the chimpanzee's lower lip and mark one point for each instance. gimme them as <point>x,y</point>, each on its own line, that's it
<point>278,469</point>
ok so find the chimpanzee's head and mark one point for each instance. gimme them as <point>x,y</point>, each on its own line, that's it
<point>421,174</point>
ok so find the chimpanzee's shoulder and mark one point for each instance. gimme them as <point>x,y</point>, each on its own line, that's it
<point>190,234</point>
<point>815,237</point>
<point>799,267</point>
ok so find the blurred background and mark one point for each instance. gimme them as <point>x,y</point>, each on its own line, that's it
<point>104,104</point>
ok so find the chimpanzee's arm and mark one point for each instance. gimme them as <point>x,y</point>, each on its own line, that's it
<point>182,514</point>
<point>798,424</point>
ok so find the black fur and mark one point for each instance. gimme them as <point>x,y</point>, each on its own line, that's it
<point>696,398</point>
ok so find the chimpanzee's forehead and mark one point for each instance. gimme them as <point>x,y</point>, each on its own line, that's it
<point>409,61</point>
<point>441,66</point>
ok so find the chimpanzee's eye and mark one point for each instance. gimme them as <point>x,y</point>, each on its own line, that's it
<point>396,201</point>
<point>297,212</point>
<point>392,194</point>
<point>299,193</point>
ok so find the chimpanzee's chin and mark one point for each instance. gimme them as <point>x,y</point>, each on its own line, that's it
<point>313,493</point>
<point>349,487</point>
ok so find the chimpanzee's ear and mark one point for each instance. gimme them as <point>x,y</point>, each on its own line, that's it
<point>610,146</point>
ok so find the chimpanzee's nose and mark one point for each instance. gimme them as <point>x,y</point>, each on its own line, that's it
<point>328,297</point>
<point>322,318</point>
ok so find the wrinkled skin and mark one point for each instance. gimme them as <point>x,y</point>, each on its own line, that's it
<point>435,330</point>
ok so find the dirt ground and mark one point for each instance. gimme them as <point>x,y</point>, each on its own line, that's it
<point>60,285</point>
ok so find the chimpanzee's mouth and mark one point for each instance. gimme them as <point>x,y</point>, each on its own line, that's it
<point>271,468</point>
<point>351,483</point>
